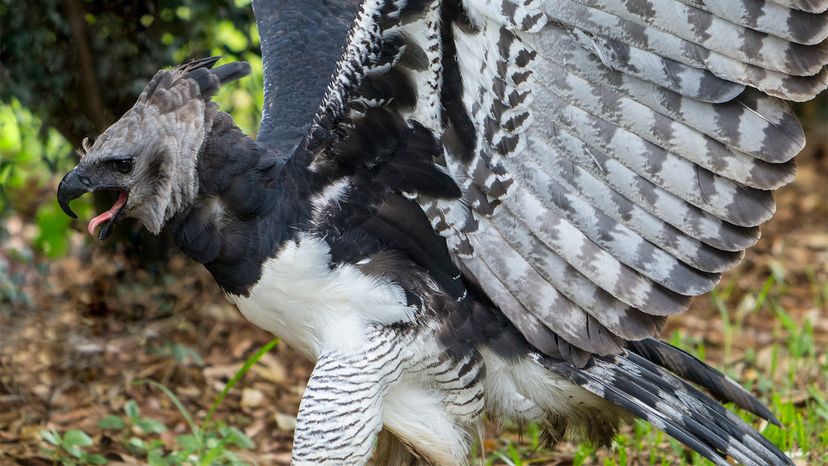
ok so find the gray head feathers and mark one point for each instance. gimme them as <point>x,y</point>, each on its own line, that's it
<point>162,136</point>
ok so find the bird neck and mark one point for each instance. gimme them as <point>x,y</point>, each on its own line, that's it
<point>251,200</point>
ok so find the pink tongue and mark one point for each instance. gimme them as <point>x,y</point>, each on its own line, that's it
<point>106,216</point>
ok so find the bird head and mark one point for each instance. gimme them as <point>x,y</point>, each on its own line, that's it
<point>150,155</point>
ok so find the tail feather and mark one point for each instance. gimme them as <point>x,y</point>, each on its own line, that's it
<point>716,411</point>
<point>691,368</point>
<point>638,408</point>
<point>669,403</point>
<point>701,406</point>
<point>696,422</point>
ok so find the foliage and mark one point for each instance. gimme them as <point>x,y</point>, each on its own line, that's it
<point>79,64</point>
<point>238,376</point>
<point>30,158</point>
<point>208,443</point>
<point>139,435</point>
<point>68,448</point>
<point>47,107</point>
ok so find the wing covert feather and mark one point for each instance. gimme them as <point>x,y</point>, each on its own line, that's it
<point>626,159</point>
<point>611,160</point>
<point>590,165</point>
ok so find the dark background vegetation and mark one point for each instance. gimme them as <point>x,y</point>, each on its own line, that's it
<point>81,321</point>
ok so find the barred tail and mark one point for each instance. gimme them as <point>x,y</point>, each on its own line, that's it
<point>647,382</point>
<point>689,367</point>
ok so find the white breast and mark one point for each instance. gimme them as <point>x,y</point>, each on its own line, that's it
<point>316,308</point>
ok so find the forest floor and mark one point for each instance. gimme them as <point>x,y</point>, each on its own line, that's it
<point>80,334</point>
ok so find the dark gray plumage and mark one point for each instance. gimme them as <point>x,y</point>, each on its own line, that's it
<point>301,43</point>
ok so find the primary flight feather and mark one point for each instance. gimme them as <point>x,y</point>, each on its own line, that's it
<point>481,206</point>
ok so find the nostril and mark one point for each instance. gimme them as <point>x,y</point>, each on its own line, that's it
<point>84,180</point>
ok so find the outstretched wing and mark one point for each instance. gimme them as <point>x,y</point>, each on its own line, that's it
<point>614,157</point>
<point>631,149</point>
<point>591,165</point>
<point>301,42</point>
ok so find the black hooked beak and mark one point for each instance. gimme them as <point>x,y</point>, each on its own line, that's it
<point>72,186</point>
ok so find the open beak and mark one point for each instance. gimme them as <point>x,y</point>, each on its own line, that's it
<point>73,186</point>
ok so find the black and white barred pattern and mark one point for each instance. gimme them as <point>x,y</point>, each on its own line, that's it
<point>608,160</point>
<point>348,390</point>
<point>491,206</point>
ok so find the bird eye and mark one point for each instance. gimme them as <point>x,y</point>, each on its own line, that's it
<point>123,165</point>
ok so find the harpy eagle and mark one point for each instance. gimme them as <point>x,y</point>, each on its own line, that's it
<point>480,206</point>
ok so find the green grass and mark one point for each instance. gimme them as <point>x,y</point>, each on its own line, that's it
<point>792,383</point>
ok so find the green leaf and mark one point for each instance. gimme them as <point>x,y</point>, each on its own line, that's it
<point>137,444</point>
<point>193,427</point>
<point>112,422</point>
<point>238,438</point>
<point>50,436</point>
<point>73,450</point>
<point>188,442</point>
<point>131,409</point>
<point>76,438</point>
<point>232,457</point>
<point>53,226</point>
<point>215,452</point>
<point>238,376</point>
<point>150,426</point>
<point>213,442</point>
<point>155,457</point>
<point>95,459</point>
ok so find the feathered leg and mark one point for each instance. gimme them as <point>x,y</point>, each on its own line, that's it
<point>341,409</point>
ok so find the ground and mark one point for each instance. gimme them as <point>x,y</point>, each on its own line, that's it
<point>81,335</point>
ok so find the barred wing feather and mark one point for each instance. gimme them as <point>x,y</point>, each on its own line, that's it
<point>630,149</point>
<point>614,157</point>
<point>591,164</point>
